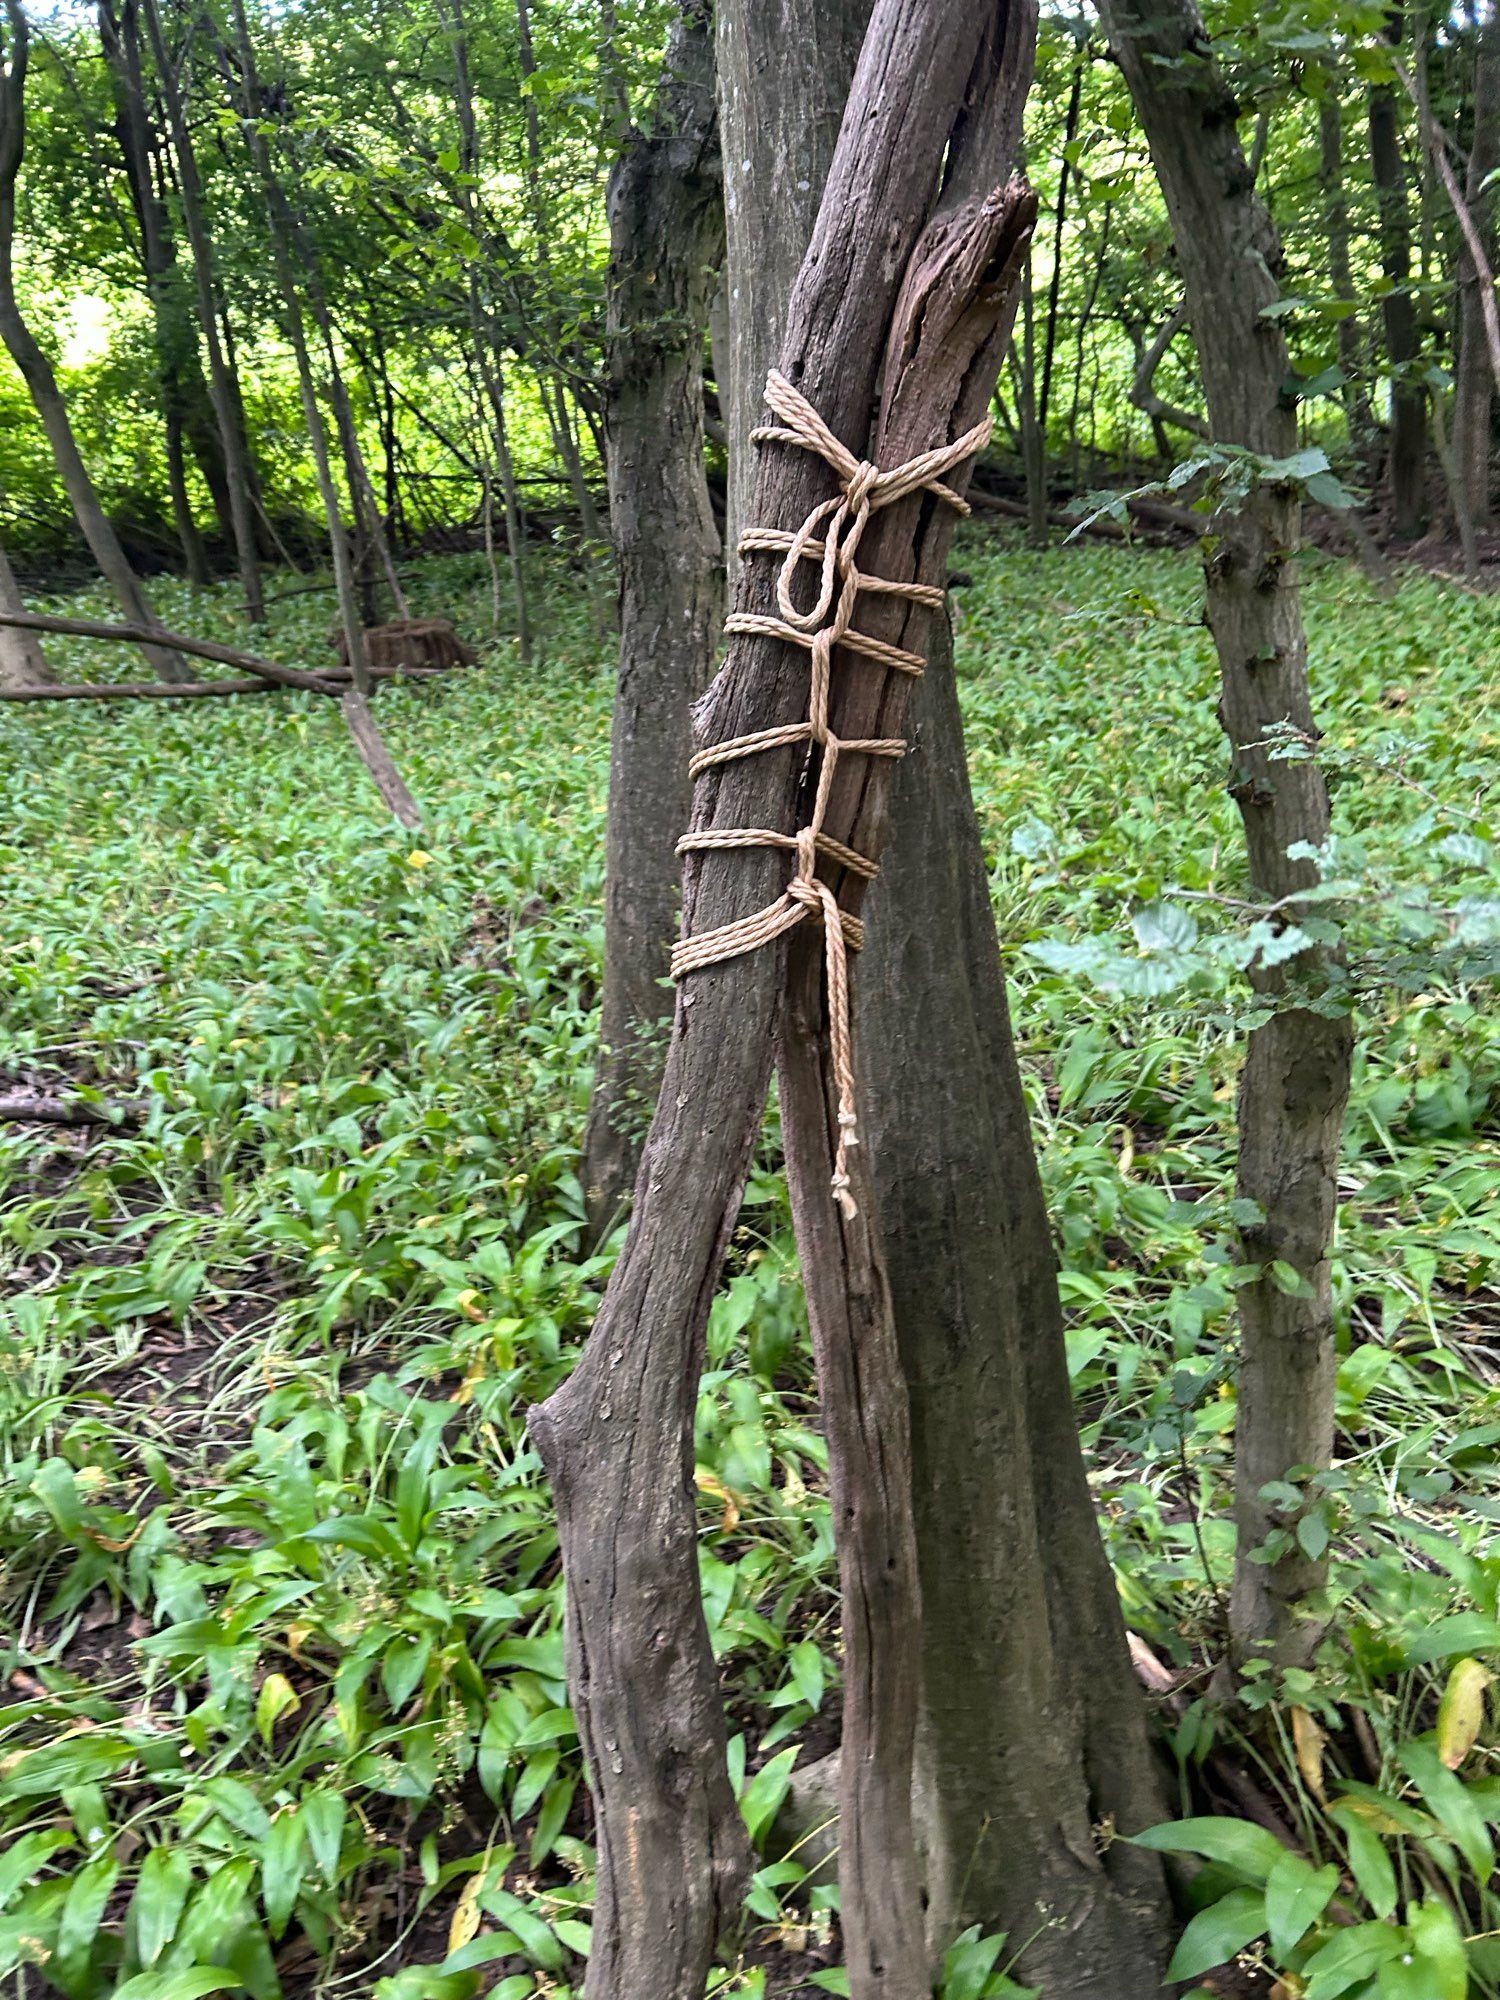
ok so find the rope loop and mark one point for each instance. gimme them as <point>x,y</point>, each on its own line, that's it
<point>829,538</point>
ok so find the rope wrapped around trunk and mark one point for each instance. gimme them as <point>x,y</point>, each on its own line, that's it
<point>863,490</point>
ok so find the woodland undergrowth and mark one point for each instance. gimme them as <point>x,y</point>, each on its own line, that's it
<point>281,1689</point>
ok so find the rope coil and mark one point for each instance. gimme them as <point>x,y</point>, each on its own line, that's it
<point>830,538</point>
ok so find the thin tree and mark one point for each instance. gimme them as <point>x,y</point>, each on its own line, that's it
<point>222,383</point>
<point>666,222</point>
<point>37,371</point>
<point>1406,446</point>
<point>1296,1077</point>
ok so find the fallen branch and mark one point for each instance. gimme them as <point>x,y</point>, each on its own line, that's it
<point>23,1108</point>
<point>177,642</point>
<point>198,690</point>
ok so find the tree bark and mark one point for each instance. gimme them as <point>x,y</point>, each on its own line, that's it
<point>617,1438</point>
<point>1296,1077</point>
<point>1406,448</point>
<point>23,664</point>
<point>1013,1571</point>
<point>179,377</point>
<point>1358,414</point>
<point>666,221</point>
<point>784,72</point>
<point>222,385</point>
<point>355,703</point>
<point>1475,384</point>
<point>39,376</point>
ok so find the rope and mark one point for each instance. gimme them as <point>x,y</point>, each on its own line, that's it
<point>830,539</point>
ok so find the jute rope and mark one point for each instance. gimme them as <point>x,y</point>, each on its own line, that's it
<point>863,490</point>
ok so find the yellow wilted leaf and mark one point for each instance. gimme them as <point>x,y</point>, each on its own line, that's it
<point>470,1303</point>
<point>419,858</point>
<point>1309,1739</point>
<point>1374,1816</point>
<point>1127,1151</point>
<point>464,1394</point>
<point>1461,1711</point>
<point>277,1698</point>
<point>711,1484</point>
<point>297,1635</point>
<point>464,1927</point>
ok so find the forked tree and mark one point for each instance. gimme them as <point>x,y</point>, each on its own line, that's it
<point>909,284</point>
<point>1295,1083</point>
<point>1011,1567</point>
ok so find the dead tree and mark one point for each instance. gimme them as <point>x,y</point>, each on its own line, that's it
<point>929,291</point>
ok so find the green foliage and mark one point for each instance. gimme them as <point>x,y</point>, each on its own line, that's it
<point>281,1595</point>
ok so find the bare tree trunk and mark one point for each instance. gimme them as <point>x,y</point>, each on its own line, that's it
<point>23,664</point>
<point>617,1438</point>
<point>784,72</point>
<point>222,388</point>
<point>1406,450</point>
<point>1013,1571</point>
<point>1358,414</point>
<point>37,371</point>
<point>178,374</point>
<point>355,704</point>
<point>1296,1077</point>
<point>1475,385</point>
<point>666,218</point>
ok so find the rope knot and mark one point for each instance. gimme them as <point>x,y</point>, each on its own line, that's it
<point>830,537</point>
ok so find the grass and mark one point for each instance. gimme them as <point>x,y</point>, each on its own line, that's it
<point>282,1656</point>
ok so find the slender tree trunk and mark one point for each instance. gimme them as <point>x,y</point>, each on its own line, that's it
<point>666,222</point>
<point>37,371</point>
<point>1296,1077</point>
<point>1406,449</point>
<point>23,664</point>
<point>1358,414</point>
<point>222,387</point>
<point>178,374</point>
<point>356,703</point>
<point>618,1437</point>
<point>1474,388</point>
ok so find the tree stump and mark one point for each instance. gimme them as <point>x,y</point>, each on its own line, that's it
<point>412,642</point>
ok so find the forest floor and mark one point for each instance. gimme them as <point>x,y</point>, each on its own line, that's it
<point>281,1677</point>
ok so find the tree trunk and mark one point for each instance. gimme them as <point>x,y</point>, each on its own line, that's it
<point>617,1438</point>
<point>1406,450</point>
<point>222,386</point>
<point>1474,387</point>
<point>1011,1567</point>
<point>1296,1077</point>
<point>1013,1571</point>
<point>37,371</point>
<point>179,378</point>
<point>1358,414</point>
<point>23,664</point>
<point>355,704</point>
<point>666,223</point>
<point>784,73</point>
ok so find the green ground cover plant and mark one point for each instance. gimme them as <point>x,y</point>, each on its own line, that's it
<point>282,1680</point>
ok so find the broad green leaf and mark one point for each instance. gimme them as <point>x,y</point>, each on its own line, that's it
<point>191,1984</point>
<point>1369,1863</point>
<point>283,1860</point>
<point>1297,1894</point>
<point>1350,1958</point>
<point>1440,1950</point>
<point>161,1891</point>
<point>1448,1800</point>
<point>762,1797</point>
<point>323,1814</point>
<point>1219,1933</point>
<point>1237,1842</point>
<point>968,1963</point>
<point>27,1856</point>
<point>82,1914</point>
